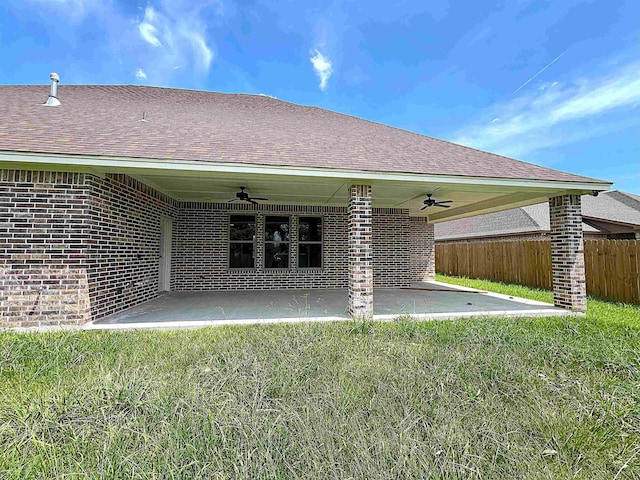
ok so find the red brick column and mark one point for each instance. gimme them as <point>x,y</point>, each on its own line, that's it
<point>422,250</point>
<point>360,252</point>
<point>567,253</point>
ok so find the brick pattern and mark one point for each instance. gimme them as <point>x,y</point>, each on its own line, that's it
<point>567,253</point>
<point>76,247</point>
<point>200,250</point>
<point>360,252</point>
<point>37,297</point>
<point>45,219</point>
<point>422,250</point>
<point>73,241</point>
<point>124,255</point>
<point>391,244</point>
<point>44,228</point>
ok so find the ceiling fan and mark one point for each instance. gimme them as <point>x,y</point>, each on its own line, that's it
<point>430,202</point>
<point>244,196</point>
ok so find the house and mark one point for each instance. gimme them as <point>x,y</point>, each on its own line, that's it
<point>610,215</point>
<point>112,195</point>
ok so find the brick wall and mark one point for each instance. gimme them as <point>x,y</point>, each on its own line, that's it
<point>422,250</point>
<point>567,253</point>
<point>45,296</point>
<point>391,244</point>
<point>124,253</point>
<point>76,247</point>
<point>44,228</point>
<point>200,249</point>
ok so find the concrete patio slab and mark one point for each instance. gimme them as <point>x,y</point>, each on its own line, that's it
<point>423,300</point>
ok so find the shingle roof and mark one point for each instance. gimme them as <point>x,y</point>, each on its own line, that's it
<point>215,127</point>
<point>615,206</point>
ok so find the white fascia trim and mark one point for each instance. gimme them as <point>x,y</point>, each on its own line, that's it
<point>107,162</point>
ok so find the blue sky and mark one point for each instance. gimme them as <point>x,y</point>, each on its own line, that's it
<point>555,83</point>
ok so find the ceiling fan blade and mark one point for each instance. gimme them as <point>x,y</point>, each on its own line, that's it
<point>443,206</point>
<point>251,201</point>
<point>232,200</point>
<point>258,198</point>
<point>424,207</point>
<point>445,201</point>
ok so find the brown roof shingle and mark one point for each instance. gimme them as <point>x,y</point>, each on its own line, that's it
<point>615,206</point>
<point>216,127</point>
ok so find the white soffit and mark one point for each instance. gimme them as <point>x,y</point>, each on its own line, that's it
<point>217,182</point>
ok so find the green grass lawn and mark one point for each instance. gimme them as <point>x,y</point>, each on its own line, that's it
<point>475,398</point>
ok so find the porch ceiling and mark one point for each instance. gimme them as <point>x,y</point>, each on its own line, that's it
<point>468,199</point>
<point>285,185</point>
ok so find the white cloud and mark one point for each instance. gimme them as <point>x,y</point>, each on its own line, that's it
<point>555,115</point>
<point>179,27</point>
<point>175,32</point>
<point>147,31</point>
<point>322,66</point>
<point>140,75</point>
<point>202,50</point>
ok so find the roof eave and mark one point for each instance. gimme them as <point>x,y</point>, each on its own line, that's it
<point>8,159</point>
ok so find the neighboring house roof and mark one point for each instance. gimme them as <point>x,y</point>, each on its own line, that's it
<point>615,206</point>
<point>610,207</point>
<point>198,126</point>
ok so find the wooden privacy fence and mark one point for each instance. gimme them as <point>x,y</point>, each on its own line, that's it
<point>612,266</point>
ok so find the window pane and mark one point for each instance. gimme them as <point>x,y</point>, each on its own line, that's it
<point>276,229</point>
<point>242,227</point>
<point>241,255</point>
<point>310,229</point>
<point>310,255</point>
<point>276,256</point>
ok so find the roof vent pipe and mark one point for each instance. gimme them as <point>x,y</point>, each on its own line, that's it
<point>53,101</point>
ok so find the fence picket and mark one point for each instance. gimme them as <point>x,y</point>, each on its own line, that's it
<point>612,266</point>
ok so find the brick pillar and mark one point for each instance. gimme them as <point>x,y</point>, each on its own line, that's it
<point>360,252</point>
<point>567,253</point>
<point>258,259</point>
<point>422,250</point>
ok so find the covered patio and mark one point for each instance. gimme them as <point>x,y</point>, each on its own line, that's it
<point>374,233</point>
<point>248,208</point>
<point>422,300</point>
